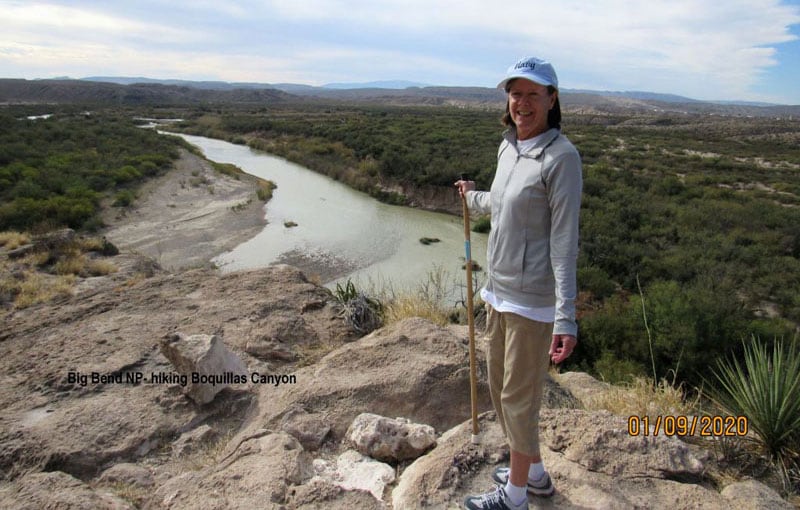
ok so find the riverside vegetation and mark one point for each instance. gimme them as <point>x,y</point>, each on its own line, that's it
<point>704,212</point>
<point>690,235</point>
<point>56,171</point>
<point>690,228</point>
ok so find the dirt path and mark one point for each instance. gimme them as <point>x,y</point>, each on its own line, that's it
<point>188,216</point>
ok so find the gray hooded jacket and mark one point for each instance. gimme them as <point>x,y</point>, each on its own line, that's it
<point>534,202</point>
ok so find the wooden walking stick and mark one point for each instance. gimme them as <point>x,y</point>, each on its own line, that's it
<point>473,377</point>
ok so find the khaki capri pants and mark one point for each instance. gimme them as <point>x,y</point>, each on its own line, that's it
<point>517,361</point>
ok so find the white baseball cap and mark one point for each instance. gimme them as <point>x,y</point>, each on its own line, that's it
<point>533,69</point>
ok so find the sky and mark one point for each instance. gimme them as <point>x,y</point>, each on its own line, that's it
<point>746,50</point>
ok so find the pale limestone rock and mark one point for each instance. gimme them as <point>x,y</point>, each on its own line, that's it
<point>354,471</point>
<point>207,356</point>
<point>390,440</point>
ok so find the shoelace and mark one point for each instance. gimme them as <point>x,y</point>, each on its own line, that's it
<point>493,500</point>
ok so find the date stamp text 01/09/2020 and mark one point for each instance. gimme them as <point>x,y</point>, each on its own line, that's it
<point>704,426</point>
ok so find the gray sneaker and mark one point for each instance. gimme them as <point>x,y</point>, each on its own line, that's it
<point>494,500</point>
<point>542,487</point>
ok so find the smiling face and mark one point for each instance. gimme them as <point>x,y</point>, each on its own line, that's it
<point>528,105</point>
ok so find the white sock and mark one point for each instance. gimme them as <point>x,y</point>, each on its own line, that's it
<point>516,494</point>
<point>536,471</point>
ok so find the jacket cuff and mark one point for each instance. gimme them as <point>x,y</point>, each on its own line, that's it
<point>565,327</point>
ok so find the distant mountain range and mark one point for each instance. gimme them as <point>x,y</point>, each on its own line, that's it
<point>141,91</point>
<point>136,93</point>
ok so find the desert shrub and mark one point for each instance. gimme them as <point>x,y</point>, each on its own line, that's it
<point>596,281</point>
<point>126,174</point>
<point>124,198</point>
<point>764,388</point>
<point>361,312</point>
<point>614,370</point>
<point>482,224</point>
<point>265,189</point>
<point>228,169</point>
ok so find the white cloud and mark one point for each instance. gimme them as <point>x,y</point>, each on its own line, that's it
<point>706,47</point>
<point>700,48</point>
<point>65,24</point>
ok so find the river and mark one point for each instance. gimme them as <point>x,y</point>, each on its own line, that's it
<point>343,234</point>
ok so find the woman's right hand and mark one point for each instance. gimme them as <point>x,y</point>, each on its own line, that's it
<point>464,186</point>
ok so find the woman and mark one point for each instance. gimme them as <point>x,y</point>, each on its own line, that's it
<point>534,203</point>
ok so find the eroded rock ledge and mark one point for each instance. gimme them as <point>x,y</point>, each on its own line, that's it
<point>69,442</point>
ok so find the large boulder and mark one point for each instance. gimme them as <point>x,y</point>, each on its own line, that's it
<point>588,438</point>
<point>390,440</point>
<point>58,416</point>
<point>208,365</point>
<point>582,385</point>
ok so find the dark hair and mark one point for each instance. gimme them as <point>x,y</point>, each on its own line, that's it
<point>553,116</point>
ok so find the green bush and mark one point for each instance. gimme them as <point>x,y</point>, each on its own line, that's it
<point>482,224</point>
<point>126,174</point>
<point>265,189</point>
<point>54,171</point>
<point>596,281</point>
<point>124,198</point>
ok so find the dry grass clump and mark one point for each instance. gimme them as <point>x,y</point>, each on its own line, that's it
<point>72,262</point>
<point>131,493</point>
<point>36,288</point>
<point>100,267</point>
<point>97,244</point>
<point>426,301</point>
<point>11,239</point>
<point>207,453</point>
<point>45,273</point>
<point>642,398</point>
<point>79,264</point>
<point>413,305</point>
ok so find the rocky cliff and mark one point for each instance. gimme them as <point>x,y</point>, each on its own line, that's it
<point>95,416</point>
